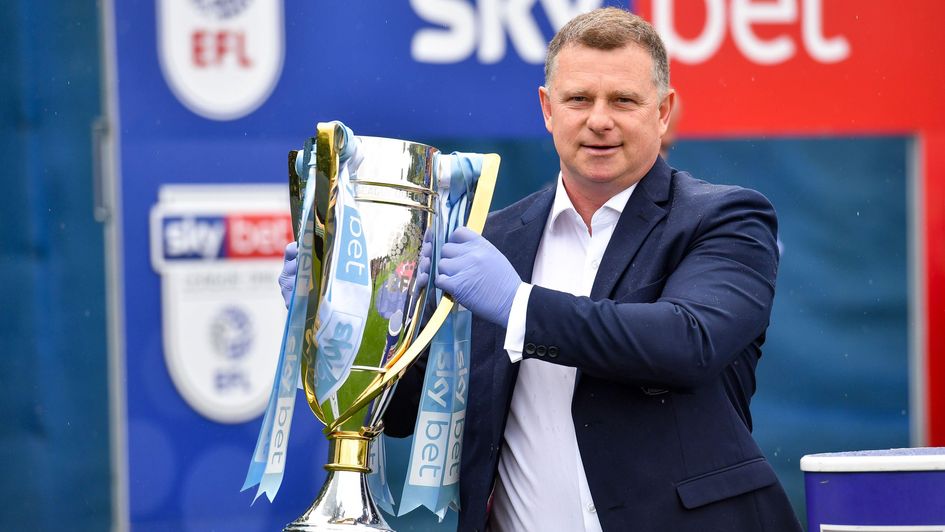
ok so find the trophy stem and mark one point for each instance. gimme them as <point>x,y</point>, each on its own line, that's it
<point>344,502</point>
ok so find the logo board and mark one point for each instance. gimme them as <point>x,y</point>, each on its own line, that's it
<point>218,250</point>
<point>221,58</point>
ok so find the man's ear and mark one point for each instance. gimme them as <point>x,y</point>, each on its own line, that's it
<point>545,99</point>
<point>666,110</point>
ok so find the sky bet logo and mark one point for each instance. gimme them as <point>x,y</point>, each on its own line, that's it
<point>460,29</point>
<point>233,236</point>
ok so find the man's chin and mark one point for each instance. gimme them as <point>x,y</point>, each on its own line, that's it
<point>604,179</point>
<point>601,174</point>
<point>597,179</point>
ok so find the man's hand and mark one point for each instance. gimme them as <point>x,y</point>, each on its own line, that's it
<point>289,269</point>
<point>478,276</point>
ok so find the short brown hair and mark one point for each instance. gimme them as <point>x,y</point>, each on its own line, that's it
<point>610,28</point>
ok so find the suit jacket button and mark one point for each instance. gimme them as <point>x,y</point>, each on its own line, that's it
<point>541,350</point>
<point>553,351</point>
<point>529,349</point>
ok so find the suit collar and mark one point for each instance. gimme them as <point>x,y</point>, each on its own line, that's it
<point>655,185</point>
<point>645,208</point>
<point>563,206</point>
<point>540,207</point>
<point>657,181</point>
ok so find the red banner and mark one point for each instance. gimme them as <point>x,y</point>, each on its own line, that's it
<point>753,67</point>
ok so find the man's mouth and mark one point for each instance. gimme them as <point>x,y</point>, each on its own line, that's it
<point>601,149</point>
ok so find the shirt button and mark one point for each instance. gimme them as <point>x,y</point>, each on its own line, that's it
<point>595,263</point>
<point>591,508</point>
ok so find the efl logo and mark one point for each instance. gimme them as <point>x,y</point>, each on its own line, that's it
<point>221,58</point>
<point>234,236</point>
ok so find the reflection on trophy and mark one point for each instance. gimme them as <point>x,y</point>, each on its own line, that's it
<point>362,324</point>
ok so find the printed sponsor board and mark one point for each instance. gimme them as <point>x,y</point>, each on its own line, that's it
<point>218,249</point>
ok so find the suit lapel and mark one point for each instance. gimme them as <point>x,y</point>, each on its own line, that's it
<point>642,212</point>
<point>520,246</point>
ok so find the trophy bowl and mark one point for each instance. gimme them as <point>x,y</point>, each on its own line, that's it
<point>361,278</point>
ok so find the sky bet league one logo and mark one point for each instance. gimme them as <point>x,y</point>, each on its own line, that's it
<point>218,250</point>
<point>221,58</point>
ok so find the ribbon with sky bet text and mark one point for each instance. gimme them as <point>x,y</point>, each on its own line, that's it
<point>433,470</point>
<point>340,322</point>
<point>342,313</point>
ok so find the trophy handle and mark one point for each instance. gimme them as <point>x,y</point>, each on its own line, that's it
<point>296,193</point>
<point>329,142</point>
<point>403,359</point>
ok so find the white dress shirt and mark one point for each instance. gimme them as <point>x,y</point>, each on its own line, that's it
<point>541,483</point>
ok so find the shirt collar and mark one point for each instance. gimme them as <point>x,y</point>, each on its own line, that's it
<point>562,202</point>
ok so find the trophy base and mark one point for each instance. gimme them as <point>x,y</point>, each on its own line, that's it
<point>343,504</point>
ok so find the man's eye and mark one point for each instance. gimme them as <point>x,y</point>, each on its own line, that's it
<point>625,100</point>
<point>577,99</point>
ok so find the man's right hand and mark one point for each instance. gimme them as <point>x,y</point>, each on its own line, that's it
<point>478,276</point>
<point>289,268</point>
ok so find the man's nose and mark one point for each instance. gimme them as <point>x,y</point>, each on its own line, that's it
<point>600,119</point>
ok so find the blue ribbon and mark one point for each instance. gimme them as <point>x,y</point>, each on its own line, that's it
<point>267,465</point>
<point>435,457</point>
<point>344,310</point>
<point>377,478</point>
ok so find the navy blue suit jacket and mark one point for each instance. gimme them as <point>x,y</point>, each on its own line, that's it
<point>666,348</point>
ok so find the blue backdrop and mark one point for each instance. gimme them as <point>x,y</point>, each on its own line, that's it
<point>54,440</point>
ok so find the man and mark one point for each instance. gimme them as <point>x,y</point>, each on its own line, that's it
<point>618,320</point>
<point>637,298</point>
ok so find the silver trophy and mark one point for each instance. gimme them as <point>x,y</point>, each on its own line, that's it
<point>395,190</point>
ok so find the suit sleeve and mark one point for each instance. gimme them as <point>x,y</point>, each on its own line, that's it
<point>715,302</point>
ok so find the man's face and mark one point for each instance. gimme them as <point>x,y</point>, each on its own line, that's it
<point>603,110</point>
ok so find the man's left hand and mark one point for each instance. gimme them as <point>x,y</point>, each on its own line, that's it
<point>290,266</point>
<point>478,276</point>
